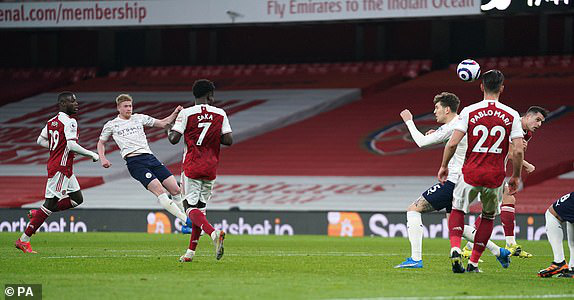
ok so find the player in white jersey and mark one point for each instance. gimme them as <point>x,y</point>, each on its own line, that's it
<point>127,130</point>
<point>438,196</point>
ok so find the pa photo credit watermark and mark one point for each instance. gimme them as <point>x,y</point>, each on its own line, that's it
<point>23,291</point>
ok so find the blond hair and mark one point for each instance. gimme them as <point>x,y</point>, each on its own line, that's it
<point>123,98</point>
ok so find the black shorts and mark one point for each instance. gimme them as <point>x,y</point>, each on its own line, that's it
<point>564,207</point>
<point>145,168</point>
<point>440,196</point>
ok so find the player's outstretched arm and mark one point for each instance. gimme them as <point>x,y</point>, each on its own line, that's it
<point>102,153</point>
<point>227,139</point>
<point>420,139</point>
<point>73,146</point>
<point>167,122</point>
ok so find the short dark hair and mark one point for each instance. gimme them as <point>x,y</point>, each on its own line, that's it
<point>202,88</point>
<point>447,99</point>
<point>537,109</point>
<point>63,96</point>
<point>492,81</point>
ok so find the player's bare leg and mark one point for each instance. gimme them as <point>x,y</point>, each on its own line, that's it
<point>158,190</point>
<point>507,217</point>
<point>415,232</point>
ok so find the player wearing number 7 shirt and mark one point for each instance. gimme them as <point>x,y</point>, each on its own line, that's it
<point>60,136</point>
<point>488,125</point>
<point>204,127</point>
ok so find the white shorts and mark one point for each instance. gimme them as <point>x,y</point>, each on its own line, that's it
<point>195,190</point>
<point>464,194</point>
<point>60,186</point>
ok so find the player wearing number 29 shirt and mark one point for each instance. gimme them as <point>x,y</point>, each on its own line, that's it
<point>204,127</point>
<point>489,126</point>
<point>60,136</point>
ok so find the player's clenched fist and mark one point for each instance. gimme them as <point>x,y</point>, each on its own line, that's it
<point>406,115</point>
<point>106,163</point>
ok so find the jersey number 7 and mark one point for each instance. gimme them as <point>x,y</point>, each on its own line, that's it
<point>205,128</point>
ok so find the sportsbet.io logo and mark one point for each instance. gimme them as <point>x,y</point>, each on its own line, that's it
<point>23,291</point>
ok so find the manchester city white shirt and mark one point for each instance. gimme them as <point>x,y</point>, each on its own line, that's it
<point>129,134</point>
<point>442,135</point>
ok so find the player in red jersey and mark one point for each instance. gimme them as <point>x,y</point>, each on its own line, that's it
<point>204,127</point>
<point>60,136</point>
<point>530,122</point>
<point>489,125</point>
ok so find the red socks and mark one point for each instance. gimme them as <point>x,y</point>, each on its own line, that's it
<point>194,239</point>
<point>39,217</point>
<point>198,218</point>
<point>455,227</point>
<point>482,236</point>
<point>507,218</point>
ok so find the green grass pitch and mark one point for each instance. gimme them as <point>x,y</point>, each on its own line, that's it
<point>145,266</point>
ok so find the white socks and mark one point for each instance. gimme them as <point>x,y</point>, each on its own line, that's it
<point>415,231</point>
<point>469,232</point>
<point>555,236</point>
<point>24,238</point>
<point>178,201</point>
<point>170,206</point>
<point>189,253</point>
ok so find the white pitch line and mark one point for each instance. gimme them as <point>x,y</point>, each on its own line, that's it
<point>257,254</point>
<point>280,254</point>
<point>547,296</point>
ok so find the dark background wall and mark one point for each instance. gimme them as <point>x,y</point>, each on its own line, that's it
<point>444,40</point>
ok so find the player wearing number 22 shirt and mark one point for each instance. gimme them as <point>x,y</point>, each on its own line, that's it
<point>489,126</point>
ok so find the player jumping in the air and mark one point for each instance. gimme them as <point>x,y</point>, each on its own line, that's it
<point>127,130</point>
